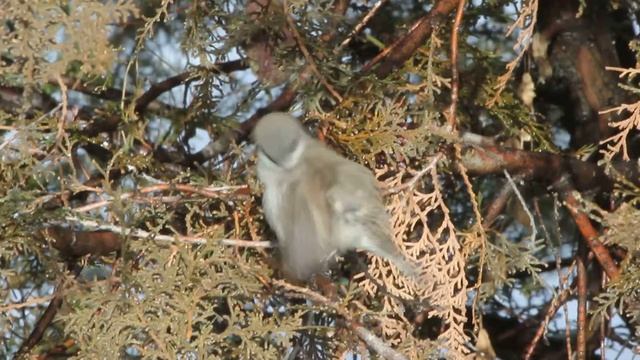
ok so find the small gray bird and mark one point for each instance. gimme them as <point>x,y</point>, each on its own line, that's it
<point>318,203</point>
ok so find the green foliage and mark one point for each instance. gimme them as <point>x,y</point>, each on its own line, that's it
<point>508,259</point>
<point>192,301</point>
<point>43,40</point>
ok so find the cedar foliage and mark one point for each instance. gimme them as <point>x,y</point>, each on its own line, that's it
<point>122,227</point>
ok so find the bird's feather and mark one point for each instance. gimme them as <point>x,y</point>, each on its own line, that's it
<point>308,235</point>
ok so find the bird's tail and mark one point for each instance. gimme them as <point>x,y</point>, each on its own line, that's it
<point>407,268</point>
<point>393,255</point>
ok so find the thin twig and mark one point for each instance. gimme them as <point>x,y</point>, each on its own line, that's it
<point>358,28</point>
<point>451,118</point>
<point>497,204</point>
<point>63,114</point>
<point>454,64</point>
<point>604,319</point>
<point>553,307</point>
<point>558,261</point>
<point>409,184</point>
<point>307,55</point>
<point>481,232</point>
<point>534,231</point>
<point>27,303</point>
<point>99,92</point>
<point>9,139</point>
<point>369,338</point>
<point>582,328</point>
<point>142,234</point>
<point>376,343</point>
<point>209,192</point>
<point>562,279</point>
<point>247,243</point>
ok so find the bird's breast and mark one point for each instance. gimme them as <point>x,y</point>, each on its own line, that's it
<point>275,187</point>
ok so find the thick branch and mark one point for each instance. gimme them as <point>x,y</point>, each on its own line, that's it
<point>541,166</point>
<point>48,315</point>
<point>158,89</point>
<point>551,168</point>
<point>403,48</point>
<point>589,233</point>
<point>103,239</point>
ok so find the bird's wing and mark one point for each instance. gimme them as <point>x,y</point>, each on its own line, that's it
<point>354,195</point>
<point>357,203</point>
<point>306,236</point>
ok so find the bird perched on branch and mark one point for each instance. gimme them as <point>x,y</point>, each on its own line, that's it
<point>318,203</point>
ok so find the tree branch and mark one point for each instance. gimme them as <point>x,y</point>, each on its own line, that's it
<point>549,313</point>
<point>102,239</point>
<point>360,26</point>
<point>403,48</point>
<point>582,328</point>
<point>49,314</point>
<point>454,65</point>
<point>369,338</point>
<point>542,166</point>
<point>209,192</point>
<point>589,233</point>
<point>26,303</point>
<point>307,55</point>
<point>559,300</point>
<point>158,89</point>
<point>498,203</point>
